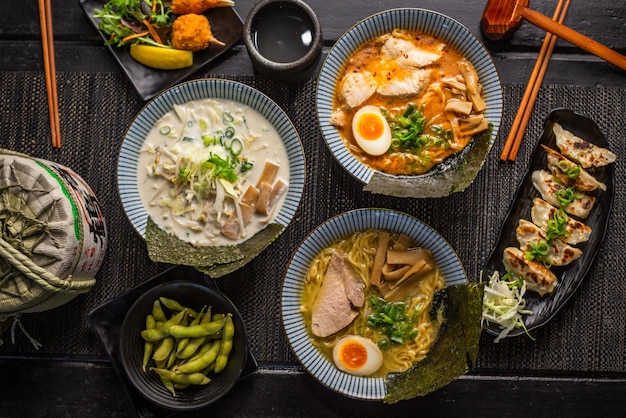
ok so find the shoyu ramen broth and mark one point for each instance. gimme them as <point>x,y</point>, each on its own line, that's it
<point>213,172</point>
<point>405,101</point>
<point>376,285</point>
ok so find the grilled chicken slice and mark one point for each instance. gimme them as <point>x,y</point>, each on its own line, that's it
<point>407,54</point>
<point>411,84</point>
<point>356,88</point>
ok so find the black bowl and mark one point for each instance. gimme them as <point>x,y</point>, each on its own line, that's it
<point>279,24</point>
<point>148,383</point>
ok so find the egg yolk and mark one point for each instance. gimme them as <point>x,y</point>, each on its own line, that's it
<point>353,355</point>
<point>370,127</point>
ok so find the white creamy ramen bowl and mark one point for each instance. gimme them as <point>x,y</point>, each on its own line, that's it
<point>456,172</point>
<point>320,367</point>
<point>129,159</point>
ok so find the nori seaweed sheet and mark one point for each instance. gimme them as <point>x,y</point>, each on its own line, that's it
<point>250,249</point>
<point>214,261</point>
<point>455,351</point>
<point>453,175</point>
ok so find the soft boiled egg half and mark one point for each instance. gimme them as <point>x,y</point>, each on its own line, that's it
<point>371,130</point>
<point>357,355</point>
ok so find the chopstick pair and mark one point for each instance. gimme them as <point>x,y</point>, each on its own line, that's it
<point>518,129</point>
<point>47,41</point>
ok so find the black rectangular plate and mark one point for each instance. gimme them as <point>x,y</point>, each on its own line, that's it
<point>226,26</point>
<point>571,276</point>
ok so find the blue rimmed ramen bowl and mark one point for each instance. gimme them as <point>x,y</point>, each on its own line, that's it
<point>320,367</point>
<point>129,158</point>
<point>456,172</point>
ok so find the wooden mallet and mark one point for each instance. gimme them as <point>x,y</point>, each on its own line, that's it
<point>503,17</point>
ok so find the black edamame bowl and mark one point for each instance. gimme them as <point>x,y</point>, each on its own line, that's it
<point>148,383</point>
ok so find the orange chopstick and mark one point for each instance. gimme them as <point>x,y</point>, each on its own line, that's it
<point>518,129</point>
<point>47,41</point>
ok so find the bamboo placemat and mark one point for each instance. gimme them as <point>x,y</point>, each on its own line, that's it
<point>588,335</point>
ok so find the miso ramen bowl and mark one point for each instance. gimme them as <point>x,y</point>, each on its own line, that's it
<point>318,365</point>
<point>456,172</point>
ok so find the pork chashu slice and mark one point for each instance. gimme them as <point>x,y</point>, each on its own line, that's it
<point>338,301</point>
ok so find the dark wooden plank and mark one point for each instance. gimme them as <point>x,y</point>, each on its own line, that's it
<point>79,48</point>
<point>33,388</point>
<point>513,68</point>
<point>602,20</point>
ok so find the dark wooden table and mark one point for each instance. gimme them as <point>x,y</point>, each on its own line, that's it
<point>35,386</point>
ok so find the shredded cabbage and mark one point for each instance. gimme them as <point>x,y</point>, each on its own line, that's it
<point>504,303</point>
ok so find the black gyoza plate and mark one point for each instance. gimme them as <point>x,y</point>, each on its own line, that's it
<point>226,25</point>
<point>571,276</point>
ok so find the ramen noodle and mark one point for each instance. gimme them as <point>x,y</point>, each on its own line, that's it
<point>360,249</point>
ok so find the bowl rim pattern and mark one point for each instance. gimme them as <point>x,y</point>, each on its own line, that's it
<point>418,19</point>
<point>196,90</point>
<point>336,227</point>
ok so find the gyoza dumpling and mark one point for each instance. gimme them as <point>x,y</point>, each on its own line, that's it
<point>559,253</point>
<point>571,173</point>
<point>580,204</point>
<point>581,151</point>
<point>537,276</point>
<point>543,213</point>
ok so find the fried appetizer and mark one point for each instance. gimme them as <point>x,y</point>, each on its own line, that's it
<point>533,241</point>
<point>555,222</point>
<point>572,201</point>
<point>192,32</point>
<point>570,173</point>
<point>181,7</point>
<point>538,277</point>
<point>584,153</point>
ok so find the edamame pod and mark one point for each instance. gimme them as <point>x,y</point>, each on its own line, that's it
<point>182,343</point>
<point>191,348</point>
<point>202,362</point>
<point>194,343</point>
<point>182,378</point>
<point>171,359</point>
<point>157,312</point>
<point>174,320</point>
<point>164,349</point>
<point>200,352</point>
<point>159,333</point>
<point>148,346</point>
<point>154,335</point>
<point>168,384</point>
<point>173,305</point>
<point>200,330</point>
<point>227,344</point>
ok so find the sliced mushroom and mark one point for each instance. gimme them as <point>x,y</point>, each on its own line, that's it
<point>473,87</point>
<point>455,84</point>
<point>459,106</point>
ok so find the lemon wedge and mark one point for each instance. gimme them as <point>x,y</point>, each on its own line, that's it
<point>161,58</point>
